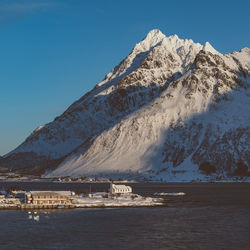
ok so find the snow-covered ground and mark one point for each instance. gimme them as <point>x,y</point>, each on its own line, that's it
<point>100,199</point>
<point>125,200</point>
<point>9,203</point>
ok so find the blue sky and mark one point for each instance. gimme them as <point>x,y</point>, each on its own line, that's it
<point>52,52</point>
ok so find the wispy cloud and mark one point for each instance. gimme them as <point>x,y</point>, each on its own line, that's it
<point>21,8</point>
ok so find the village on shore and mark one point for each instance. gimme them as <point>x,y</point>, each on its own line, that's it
<point>16,177</point>
<point>117,196</point>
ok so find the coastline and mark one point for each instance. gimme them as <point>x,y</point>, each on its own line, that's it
<point>84,202</point>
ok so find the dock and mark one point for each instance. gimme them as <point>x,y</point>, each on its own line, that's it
<point>43,206</point>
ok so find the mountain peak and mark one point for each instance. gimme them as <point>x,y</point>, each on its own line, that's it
<point>153,38</point>
<point>209,48</point>
<point>155,32</point>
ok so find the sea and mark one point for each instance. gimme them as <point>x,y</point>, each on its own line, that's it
<point>210,216</point>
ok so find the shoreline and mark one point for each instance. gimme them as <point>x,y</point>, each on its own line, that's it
<point>80,207</point>
<point>29,207</point>
<point>246,180</point>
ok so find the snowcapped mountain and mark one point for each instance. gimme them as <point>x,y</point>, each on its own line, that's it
<point>170,106</point>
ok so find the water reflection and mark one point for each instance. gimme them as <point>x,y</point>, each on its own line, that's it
<point>33,216</point>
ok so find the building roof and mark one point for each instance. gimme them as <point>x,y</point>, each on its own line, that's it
<point>121,186</point>
<point>52,193</point>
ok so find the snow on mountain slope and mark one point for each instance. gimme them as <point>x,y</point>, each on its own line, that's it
<point>243,57</point>
<point>203,116</point>
<point>152,114</point>
<point>151,63</point>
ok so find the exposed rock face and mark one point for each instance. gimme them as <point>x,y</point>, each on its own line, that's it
<point>169,106</point>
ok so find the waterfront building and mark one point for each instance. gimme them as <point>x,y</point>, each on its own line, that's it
<point>49,197</point>
<point>119,189</point>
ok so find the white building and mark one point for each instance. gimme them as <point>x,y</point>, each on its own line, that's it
<point>119,189</point>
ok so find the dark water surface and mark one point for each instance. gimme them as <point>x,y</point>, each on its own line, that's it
<point>210,216</point>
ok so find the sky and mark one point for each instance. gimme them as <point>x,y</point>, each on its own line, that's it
<point>52,52</point>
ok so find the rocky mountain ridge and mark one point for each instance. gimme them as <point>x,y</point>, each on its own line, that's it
<point>168,107</point>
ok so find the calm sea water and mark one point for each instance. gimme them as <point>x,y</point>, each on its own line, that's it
<point>210,216</point>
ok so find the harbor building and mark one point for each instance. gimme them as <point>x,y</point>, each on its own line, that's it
<point>119,189</point>
<point>49,197</point>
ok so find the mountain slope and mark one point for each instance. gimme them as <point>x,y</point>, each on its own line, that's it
<point>201,117</point>
<point>167,107</point>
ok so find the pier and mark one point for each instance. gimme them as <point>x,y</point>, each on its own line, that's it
<point>39,206</point>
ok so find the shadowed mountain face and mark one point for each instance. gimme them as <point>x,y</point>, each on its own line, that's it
<point>167,108</point>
